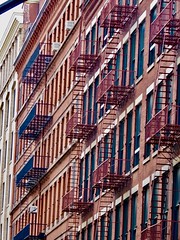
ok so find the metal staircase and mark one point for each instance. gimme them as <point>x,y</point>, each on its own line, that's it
<point>163,130</point>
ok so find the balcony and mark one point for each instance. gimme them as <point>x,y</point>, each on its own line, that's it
<point>109,175</point>
<point>80,127</point>
<point>33,170</point>
<point>37,64</point>
<point>161,230</point>
<point>117,16</point>
<point>31,231</point>
<point>84,57</point>
<point>112,93</point>
<point>165,28</point>
<point>164,126</point>
<point>71,202</point>
<point>35,122</point>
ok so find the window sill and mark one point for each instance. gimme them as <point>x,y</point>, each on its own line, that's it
<point>146,160</point>
<point>138,79</point>
<point>154,154</point>
<point>150,67</point>
<point>134,169</point>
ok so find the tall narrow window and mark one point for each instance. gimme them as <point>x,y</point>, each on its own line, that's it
<point>125,219</point>
<point>84,107</point>
<point>117,222</point>
<point>93,157</point>
<point>132,58</point>
<point>81,178</point>
<point>90,104</point>
<point>125,64</point>
<point>133,216</point>
<point>153,15</point>
<point>110,216</point>
<point>96,83</point>
<point>129,141</point>
<point>149,106</point>
<point>93,38</point>
<point>86,175</point>
<point>175,202</point>
<point>121,146</point>
<point>89,233</point>
<point>117,68</point>
<point>137,135</point>
<point>141,49</point>
<point>145,204</point>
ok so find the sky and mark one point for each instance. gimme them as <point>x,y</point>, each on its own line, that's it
<point>5,17</point>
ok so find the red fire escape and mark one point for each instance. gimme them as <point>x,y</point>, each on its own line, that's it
<point>108,177</point>
<point>163,129</point>
<point>82,60</point>
<point>116,18</point>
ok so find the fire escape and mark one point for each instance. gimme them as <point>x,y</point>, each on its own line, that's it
<point>80,127</point>
<point>113,89</point>
<point>34,70</point>
<point>36,120</point>
<point>163,130</point>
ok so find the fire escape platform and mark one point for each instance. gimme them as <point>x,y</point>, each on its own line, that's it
<point>30,232</point>
<point>165,29</point>
<point>108,92</point>
<point>36,66</point>
<point>78,130</point>
<point>117,16</point>
<point>34,123</point>
<point>71,203</point>
<point>107,176</point>
<point>81,59</point>
<point>155,231</point>
<point>30,174</point>
<point>159,127</point>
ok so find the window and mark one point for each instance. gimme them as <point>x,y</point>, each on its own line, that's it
<point>132,58</point>
<point>125,219</point>
<point>145,203</point>
<point>12,144</point>
<point>133,216</point>
<point>81,178</point>
<point>96,83</point>
<point>149,106</point>
<point>117,68</point>
<point>176,201</point>
<point>86,175</point>
<point>89,232</point>
<point>137,134</point>
<point>141,49</point>
<point>124,64</point>
<point>129,141</point>
<point>2,120</point>
<point>7,112</point>
<point>153,15</point>
<point>5,154</point>
<point>3,196</point>
<point>117,222</point>
<point>121,146</point>
<point>90,104</point>
<point>93,158</point>
<point>93,38</point>
<point>103,227</point>
<point>110,222</point>
<point>9,188</point>
<point>84,107</point>
<point>83,234</point>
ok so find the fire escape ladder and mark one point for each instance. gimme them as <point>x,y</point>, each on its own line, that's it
<point>102,225</point>
<point>111,90</point>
